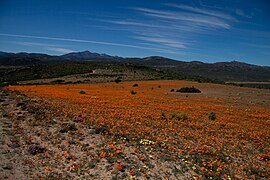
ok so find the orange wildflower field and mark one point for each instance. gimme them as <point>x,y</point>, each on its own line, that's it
<point>172,126</point>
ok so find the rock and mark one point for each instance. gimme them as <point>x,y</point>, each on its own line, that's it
<point>7,166</point>
<point>92,131</point>
<point>15,146</point>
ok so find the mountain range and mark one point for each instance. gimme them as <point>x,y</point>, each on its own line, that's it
<point>221,71</point>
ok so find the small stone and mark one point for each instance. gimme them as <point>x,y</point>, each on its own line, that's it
<point>8,166</point>
<point>15,146</point>
<point>92,131</point>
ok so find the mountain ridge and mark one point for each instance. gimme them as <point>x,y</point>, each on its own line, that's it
<point>88,55</point>
<point>222,71</point>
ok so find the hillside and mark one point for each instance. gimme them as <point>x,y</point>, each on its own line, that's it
<point>221,71</point>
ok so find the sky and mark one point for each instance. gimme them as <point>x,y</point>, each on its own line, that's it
<point>186,30</point>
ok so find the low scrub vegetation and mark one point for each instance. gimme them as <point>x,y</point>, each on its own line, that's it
<point>82,92</point>
<point>212,116</point>
<point>117,80</point>
<point>182,116</point>
<point>133,92</point>
<point>189,90</point>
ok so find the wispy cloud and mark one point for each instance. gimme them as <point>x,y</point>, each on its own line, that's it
<point>165,41</point>
<point>240,12</point>
<point>23,43</point>
<point>161,48</point>
<point>185,17</point>
<point>79,41</point>
<point>172,30</point>
<point>204,11</point>
<point>59,50</point>
<point>50,47</point>
<point>128,25</point>
<point>66,39</point>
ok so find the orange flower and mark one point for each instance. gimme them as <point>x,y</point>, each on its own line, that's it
<point>120,167</point>
<point>203,168</point>
<point>118,151</point>
<point>240,132</point>
<point>102,154</point>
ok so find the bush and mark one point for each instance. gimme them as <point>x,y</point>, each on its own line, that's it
<point>188,90</point>
<point>69,127</point>
<point>117,80</point>
<point>212,116</point>
<point>172,90</point>
<point>82,92</point>
<point>77,82</point>
<point>58,81</point>
<point>133,92</point>
<point>135,85</point>
<point>180,117</point>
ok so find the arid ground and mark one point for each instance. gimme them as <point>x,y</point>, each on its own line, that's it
<point>135,130</point>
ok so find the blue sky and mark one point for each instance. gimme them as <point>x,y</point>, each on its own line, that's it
<point>187,30</point>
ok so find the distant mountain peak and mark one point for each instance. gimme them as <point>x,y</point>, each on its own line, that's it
<point>234,63</point>
<point>196,62</point>
<point>156,58</point>
<point>86,55</point>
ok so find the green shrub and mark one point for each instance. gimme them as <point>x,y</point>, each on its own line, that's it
<point>77,82</point>
<point>58,81</point>
<point>133,92</point>
<point>183,116</point>
<point>82,92</point>
<point>118,80</point>
<point>135,85</point>
<point>188,90</point>
<point>212,116</point>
